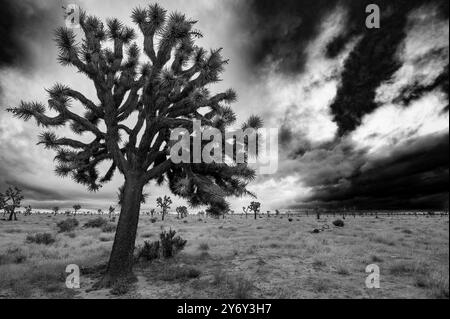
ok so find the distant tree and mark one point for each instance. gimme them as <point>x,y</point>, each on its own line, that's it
<point>245,210</point>
<point>317,213</point>
<point>111,211</point>
<point>268,213</point>
<point>277,212</point>
<point>152,212</point>
<point>76,208</point>
<point>10,201</point>
<point>100,211</point>
<point>164,204</point>
<point>28,210</point>
<point>255,207</point>
<point>164,90</point>
<point>182,211</point>
<point>3,204</point>
<point>55,210</point>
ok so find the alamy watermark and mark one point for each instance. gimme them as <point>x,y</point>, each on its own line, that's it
<point>373,280</point>
<point>257,148</point>
<point>73,279</point>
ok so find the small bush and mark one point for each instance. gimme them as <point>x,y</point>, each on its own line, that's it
<point>241,288</point>
<point>106,238</point>
<point>121,287</point>
<point>13,256</point>
<point>376,259</point>
<point>170,244</point>
<point>179,273</point>
<point>150,251</point>
<point>98,222</point>
<point>153,220</point>
<point>338,223</point>
<point>67,225</point>
<point>71,235</point>
<point>41,238</point>
<point>203,246</point>
<point>109,228</point>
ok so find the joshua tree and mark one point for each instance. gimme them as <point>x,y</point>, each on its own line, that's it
<point>161,91</point>
<point>182,211</point>
<point>111,210</point>
<point>254,207</point>
<point>317,213</point>
<point>55,210</point>
<point>164,204</point>
<point>76,208</point>
<point>10,201</point>
<point>28,210</point>
<point>100,211</point>
<point>277,212</point>
<point>152,212</point>
<point>3,203</point>
<point>245,210</point>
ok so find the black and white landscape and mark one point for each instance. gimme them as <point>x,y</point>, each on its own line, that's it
<point>94,203</point>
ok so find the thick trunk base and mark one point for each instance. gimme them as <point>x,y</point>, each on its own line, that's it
<point>120,265</point>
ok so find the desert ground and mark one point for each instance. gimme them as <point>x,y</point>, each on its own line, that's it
<point>237,257</point>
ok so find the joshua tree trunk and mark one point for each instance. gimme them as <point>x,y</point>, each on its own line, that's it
<point>121,259</point>
<point>11,214</point>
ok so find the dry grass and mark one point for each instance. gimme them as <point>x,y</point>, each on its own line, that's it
<point>238,258</point>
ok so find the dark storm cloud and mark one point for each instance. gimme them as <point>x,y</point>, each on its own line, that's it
<point>22,23</point>
<point>415,175</point>
<point>416,90</point>
<point>280,32</point>
<point>373,61</point>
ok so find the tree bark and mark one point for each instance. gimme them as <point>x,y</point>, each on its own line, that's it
<point>120,265</point>
<point>11,214</point>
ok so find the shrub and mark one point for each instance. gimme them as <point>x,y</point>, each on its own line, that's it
<point>71,235</point>
<point>153,220</point>
<point>67,225</point>
<point>13,256</point>
<point>338,223</point>
<point>106,238</point>
<point>179,273</point>
<point>120,287</point>
<point>150,250</point>
<point>109,228</point>
<point>98,222</point>
<point>170,244</point>
<point>242,288</point>
<point>41,238</point>
<point>203,246</point>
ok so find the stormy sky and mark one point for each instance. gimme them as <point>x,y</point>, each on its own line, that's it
<point>362,113</point>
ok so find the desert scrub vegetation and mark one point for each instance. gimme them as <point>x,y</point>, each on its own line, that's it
<point>171,245</point>
<point>41,239</point>
<point>436,282</point>
<point>108,228</point>
<point>168,246</point>
<point>13,256</point>
<point>98,222</point>
<point>67,225</point>
<point>178,273</point>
